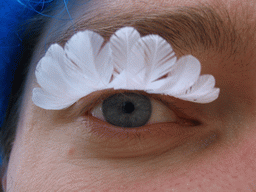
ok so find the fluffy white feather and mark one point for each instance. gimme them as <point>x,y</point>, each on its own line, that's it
<point>121,43</point>
<point>127,61</point>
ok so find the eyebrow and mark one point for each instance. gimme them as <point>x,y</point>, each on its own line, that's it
<point>201,28</point>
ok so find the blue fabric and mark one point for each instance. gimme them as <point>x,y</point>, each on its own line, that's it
<point>12,12</point>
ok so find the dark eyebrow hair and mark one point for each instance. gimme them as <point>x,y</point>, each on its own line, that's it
<point>201,28</point>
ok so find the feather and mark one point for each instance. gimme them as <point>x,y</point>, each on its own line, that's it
<point>119,82</point>
<point>127,61</point>
<point>150,59</point>
<point>46,100</point>
<point>85,50</point>
<point>104,65</point>
<point>202,91</point>
<point>121,43</point>
<point>80,51</point>
<point>204,98</point>
<point>49,73</point>
<point>204,84</point>
<point>62,73</point>
<point>185,74</point>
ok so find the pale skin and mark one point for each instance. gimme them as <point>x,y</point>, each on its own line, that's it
<point>52,154</point>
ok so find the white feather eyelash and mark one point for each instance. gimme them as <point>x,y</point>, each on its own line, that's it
<point>127,61</point>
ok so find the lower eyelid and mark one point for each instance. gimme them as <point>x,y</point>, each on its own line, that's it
<point>111,141</point>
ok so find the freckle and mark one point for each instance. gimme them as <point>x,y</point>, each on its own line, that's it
<point>71,151</point>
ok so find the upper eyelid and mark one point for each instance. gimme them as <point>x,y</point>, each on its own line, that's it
<point>99,96</point>
<point>84,107</point>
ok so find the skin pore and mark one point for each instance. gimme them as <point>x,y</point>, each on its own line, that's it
<point>69,151</point>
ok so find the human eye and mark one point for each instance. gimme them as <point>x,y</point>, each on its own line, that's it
<point>130,110</point>
<point>145,123</point>
<point>125,123</point>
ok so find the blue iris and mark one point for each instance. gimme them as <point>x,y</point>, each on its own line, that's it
<point>127,109</point>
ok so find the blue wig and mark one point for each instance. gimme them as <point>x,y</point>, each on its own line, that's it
<point>12,13</point>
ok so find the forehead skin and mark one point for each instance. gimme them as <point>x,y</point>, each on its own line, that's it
<point>52,155</point>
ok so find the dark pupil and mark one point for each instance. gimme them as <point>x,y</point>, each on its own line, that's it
<point>127,107</point>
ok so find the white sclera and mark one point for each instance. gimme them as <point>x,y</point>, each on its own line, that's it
<point>160,113</point>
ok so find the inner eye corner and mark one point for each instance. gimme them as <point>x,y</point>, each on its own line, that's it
<point>195,122</point>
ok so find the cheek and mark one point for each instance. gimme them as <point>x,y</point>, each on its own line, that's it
<point>42,168</point>
<point>229,168</point>
<point>41,165</point>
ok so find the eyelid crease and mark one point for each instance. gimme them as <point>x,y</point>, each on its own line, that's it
<point>109,141</point>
